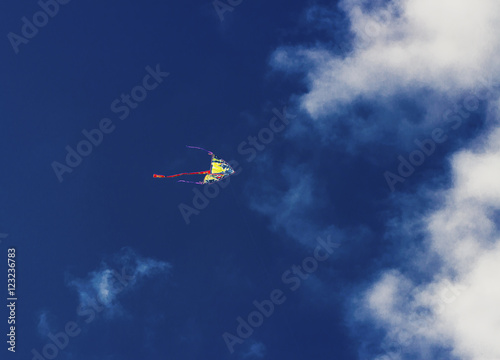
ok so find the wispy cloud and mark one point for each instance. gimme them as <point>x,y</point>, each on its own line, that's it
<point>43,325</point>
<point>123,274</point>
<point>288,207</point>
<point>292,206</point>
<point>256,350</point>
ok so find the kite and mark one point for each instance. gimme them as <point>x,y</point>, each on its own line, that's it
<point>219,169</point>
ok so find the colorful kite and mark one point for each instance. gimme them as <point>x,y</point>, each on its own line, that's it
<point>219,169</point>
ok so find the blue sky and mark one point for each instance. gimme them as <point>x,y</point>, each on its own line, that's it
<point>363,219</point>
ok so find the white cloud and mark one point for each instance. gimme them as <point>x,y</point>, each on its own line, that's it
<point>444,45</point>
<point>406,67</point>
<point>105,285</point>
<point>445,296</point>
<point>458,308</point>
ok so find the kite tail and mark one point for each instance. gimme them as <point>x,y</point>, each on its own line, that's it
<point>199,148</point>
<point>171,176</point>
<point>191,173</point>
<point>191,182</point>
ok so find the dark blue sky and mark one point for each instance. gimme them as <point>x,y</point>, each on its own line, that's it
<point>217,94</point>
<point>105,230</point>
